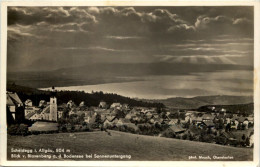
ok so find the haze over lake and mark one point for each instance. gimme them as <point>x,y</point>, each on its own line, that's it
<point>161,87</point>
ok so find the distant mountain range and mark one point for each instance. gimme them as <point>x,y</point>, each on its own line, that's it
<point>196,102</point>
<point>92,74</point>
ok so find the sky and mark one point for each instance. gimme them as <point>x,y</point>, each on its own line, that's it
<point>50,38</point>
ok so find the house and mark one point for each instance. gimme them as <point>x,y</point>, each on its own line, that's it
<point>176,129</point>
<point>15,107</point>
<point>132,126</point>
<point>102,104</point>
<point>229,138</point>
<point>42,103</point>
<point>251,140</point>
<point>82,104</point>
<point>188,118</point>
<point>116,106</point>
<point>60,114</point>
<point>250,120</point>
<point>208,123</point>
<point>90,119</point>
<point>125,107</point>
<point>123,121</point>
<point>158,120</point>
<point>196,120</point>
<point>129,116</point>
<point>71,104</point>
<point>107,123</point>
<point>149,116</point>
<point>72,111</point>
<point>173,122</point>
<point>49,112</point>
<point>28,103</point>
<point>28,110</point>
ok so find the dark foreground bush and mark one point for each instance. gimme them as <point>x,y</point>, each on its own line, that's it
<point>18,129</point>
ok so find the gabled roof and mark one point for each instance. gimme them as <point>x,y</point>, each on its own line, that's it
<point>13,99</point>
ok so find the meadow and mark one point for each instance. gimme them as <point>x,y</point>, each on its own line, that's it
<point>140,147</point>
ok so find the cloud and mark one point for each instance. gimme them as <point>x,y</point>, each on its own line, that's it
<point>137,33</point>
<point>52,15</point>
<point>123,37</point>
<point>241,21</point>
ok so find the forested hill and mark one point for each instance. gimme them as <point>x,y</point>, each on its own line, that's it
<point>90,99</point>
<point>196,102</point>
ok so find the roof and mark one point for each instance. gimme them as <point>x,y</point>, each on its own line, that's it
<point>131,125</point>
<point>110,118</point>
<point>228,135</point>
<point>173,121</point>
<point>241,119</point>
<point>176,128</point>
<point>13,99</point>
<point>46,109</point>
<point>29,115</point>
<point>198,119</point>
<point>123,120</point>
<point>115,104</point>
<point>209,123</point>
<point>208,116</point>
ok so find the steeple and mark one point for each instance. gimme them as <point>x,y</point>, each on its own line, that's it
<point>53,105</point>
<point>53,92</point>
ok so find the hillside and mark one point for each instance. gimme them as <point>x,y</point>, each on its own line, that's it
<point>138,146</point>
<point>243,109</point>
<point>196,102</point>
<point>90,99</point>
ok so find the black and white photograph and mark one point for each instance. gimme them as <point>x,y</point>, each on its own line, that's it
<point>130,83</point>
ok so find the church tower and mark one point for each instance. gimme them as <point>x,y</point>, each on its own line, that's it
<point>53,106</point>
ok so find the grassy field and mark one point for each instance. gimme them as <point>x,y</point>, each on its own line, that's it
<point>138,146</point>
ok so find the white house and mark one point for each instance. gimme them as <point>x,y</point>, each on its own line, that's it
<point>28,103</point>
<point>116,106</point>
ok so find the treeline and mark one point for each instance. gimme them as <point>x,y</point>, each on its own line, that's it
<point>90,99</point>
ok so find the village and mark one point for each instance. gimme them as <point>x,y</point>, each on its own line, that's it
<point>214,126</point>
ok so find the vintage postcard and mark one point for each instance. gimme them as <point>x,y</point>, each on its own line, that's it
<point>129,83</point>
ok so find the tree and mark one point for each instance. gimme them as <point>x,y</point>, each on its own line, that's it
<point>98,119</point>
<point>243,137</point>
<point>228,127</point>
<point>247,141</point>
